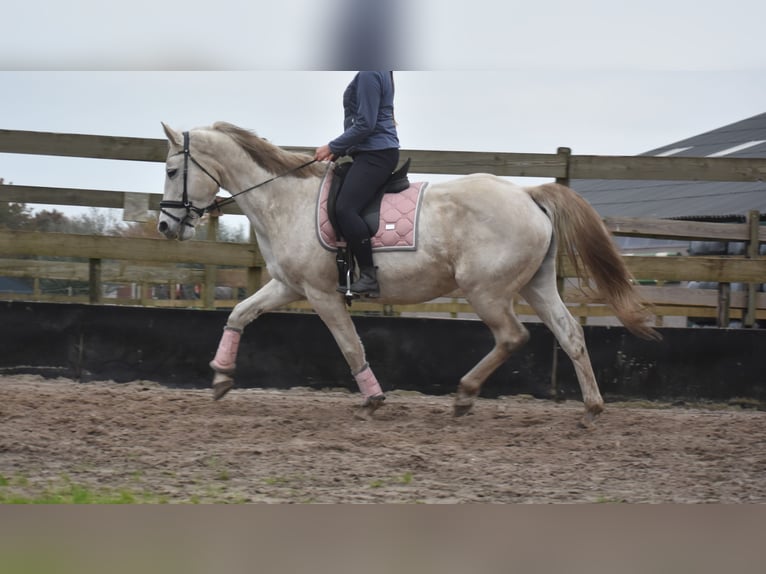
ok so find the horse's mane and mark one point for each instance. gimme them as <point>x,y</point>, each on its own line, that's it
<point>270,157</point>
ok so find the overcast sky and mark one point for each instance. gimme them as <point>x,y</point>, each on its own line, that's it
<point>599,76</point>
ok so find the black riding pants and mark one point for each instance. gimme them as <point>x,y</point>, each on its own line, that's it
<point>368,172</point>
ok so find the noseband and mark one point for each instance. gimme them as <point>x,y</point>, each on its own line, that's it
<point>216,205</point>
<point>185,203</point>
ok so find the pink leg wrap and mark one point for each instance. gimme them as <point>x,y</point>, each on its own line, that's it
<point>226,357</point>
<point>367,382</point>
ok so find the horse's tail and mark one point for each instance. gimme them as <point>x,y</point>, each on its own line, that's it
<point>586,240</point>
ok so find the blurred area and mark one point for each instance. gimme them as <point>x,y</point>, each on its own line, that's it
<point>382,539</point>
<point>366,35</point>
<point>230,35</point>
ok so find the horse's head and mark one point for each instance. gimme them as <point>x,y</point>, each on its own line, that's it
<point>190,188</point>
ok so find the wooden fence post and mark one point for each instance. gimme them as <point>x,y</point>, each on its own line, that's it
<point>565,153</point>
<point>208,293</point>
<point>724,305</point>
<point>753,248</point>
<point>94,281</point>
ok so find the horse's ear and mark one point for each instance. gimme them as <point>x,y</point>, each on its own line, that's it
<point>173,136</point>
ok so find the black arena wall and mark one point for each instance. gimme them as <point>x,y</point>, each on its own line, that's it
<point>281,350</point>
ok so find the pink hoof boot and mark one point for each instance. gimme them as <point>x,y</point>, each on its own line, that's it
<point>371,392</point>
<point>225,360</point>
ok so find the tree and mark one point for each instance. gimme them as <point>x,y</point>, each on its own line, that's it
<point>146,229</point>
<point>96,222</point>
<point>13,215</point>
<point>48,221</point>
<point>226,232</point>
<point>232,233</point>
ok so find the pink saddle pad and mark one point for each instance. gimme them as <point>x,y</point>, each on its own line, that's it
<point>399,212</point>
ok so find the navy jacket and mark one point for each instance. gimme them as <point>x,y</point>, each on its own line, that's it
<point>368,108</point>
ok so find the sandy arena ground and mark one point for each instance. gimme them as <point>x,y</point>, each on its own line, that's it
<point>303,446</point>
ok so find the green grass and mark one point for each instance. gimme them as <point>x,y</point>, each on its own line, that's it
<point>17,490</point>
<point>276,480</point>
<point>608,500</point>
<point>404,479</point>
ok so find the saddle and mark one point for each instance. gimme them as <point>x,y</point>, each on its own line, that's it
<point>344,259</point>
<point>396,183</point>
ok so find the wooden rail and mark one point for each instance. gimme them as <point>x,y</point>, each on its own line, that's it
<point>100,260</point>
<point>559,165</point>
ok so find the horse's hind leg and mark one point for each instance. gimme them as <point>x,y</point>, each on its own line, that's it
<point>509,333</point>
<point>269,297</point>
<point>542,295</point>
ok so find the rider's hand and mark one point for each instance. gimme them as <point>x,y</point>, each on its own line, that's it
<point>323,153</point>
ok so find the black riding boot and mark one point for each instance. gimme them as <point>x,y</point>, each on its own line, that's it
<point>367,284</point>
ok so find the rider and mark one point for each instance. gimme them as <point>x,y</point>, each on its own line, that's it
<point>371,139</point>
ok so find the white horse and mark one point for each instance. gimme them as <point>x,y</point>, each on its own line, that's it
<point>481,234</point>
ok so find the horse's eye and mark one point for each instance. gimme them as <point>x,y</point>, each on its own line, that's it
<point>172,173</point>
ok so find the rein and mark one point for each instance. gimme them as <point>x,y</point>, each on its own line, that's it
<point>216,205</point>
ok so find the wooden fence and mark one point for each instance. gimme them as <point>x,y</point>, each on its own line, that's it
<point>147,263</point>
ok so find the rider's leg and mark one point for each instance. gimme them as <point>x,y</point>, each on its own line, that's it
<point>367,174</point>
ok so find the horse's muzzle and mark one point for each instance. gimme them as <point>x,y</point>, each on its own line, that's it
<point>169,231</point>
<point>174,231</point>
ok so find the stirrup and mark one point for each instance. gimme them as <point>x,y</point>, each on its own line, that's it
<point>345,289</point>
<point>357,294</point>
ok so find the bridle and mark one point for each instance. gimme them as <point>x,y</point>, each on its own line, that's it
<point>185,203</point>
<point>217,204</point>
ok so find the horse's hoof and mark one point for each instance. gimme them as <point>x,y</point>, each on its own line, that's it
<point>221,388</point>
<point>588,420</point>
<point>222,384</point>
<point>463,403</point>
<point>369,406</point>
<point>461,409</point>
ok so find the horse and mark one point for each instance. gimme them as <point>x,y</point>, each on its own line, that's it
<point>479,233</point>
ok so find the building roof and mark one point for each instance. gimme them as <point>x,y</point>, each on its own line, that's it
<point>688,199</point>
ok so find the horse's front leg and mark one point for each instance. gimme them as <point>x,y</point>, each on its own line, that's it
<point>332,310</point>
<point>271,296</point>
